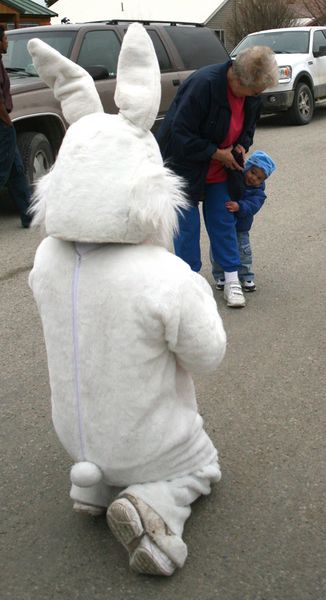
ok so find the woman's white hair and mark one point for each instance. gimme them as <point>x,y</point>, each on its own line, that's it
<point>256,67</point>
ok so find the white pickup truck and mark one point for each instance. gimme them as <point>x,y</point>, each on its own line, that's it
<point>301,56</point>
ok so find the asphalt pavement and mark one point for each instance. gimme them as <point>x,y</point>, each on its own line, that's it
<point>260,535</point>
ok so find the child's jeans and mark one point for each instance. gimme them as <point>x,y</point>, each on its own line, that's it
<point>245,271</point>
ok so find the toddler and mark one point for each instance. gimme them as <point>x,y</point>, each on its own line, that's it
<point>247,192</point>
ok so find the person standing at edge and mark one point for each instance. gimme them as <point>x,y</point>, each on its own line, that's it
<point>12,172</point>
<point>215,112</point>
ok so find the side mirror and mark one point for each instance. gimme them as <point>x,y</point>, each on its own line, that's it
<point>98,72</point>
<point>320,52</point>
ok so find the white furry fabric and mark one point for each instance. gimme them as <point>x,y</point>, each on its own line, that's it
<point>125,321</point>
<point>124,326</point>
<point>71,84</point>
<point>138,91</point>
<point>109,185</point>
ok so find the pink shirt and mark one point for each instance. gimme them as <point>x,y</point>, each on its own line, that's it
<point>216,171</point>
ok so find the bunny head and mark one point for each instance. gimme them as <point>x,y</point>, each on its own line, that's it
<point>108,183</point>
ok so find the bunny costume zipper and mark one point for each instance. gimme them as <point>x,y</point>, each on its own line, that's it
<point>75,290</point>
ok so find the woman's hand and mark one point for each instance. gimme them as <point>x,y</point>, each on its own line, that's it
<point>225,156</point>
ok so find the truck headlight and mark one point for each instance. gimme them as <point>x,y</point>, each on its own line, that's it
<point>284,74</point>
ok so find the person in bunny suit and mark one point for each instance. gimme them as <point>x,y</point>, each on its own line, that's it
<point>125,321</point>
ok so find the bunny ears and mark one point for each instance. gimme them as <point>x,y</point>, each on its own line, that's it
<point>71,84</point>
<point>138,90</point>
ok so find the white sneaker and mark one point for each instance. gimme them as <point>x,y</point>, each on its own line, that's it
<point>150,560</point>
<point>89,509</point>
<point>125,523</point>
<point>233,294</point>
<point>144,555</point>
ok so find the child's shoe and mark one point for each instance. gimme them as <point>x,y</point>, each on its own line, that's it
<point>248,286</point>
<point>219,284</point>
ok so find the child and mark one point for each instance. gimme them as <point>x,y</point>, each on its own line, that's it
<point>247,191</point>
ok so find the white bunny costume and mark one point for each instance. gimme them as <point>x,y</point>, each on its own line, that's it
<point>125,321</point>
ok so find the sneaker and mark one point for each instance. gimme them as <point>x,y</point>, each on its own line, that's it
<point>144,555</point>
<point>219,284</point>
<point>248,286</point>
<point>89,509</point>
<point>233,294</point>
<point>150,560</point>
<point>125,523</point>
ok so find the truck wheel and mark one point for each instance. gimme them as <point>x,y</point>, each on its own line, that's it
<point>302,109</point>
<point>36,154</point>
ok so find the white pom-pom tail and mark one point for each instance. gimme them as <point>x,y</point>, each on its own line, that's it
<point>85,474</point>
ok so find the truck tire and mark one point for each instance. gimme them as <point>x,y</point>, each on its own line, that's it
<point>302,109</point>
<point>36,153</point>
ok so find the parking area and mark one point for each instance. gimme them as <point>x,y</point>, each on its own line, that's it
<point>260,535</point>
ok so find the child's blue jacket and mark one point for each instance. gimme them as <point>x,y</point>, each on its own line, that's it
<point>250,203</point>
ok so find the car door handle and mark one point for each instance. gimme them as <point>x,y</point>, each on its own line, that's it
<point>176,82</point>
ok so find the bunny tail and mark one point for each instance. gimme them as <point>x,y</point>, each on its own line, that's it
<point>85,474</point>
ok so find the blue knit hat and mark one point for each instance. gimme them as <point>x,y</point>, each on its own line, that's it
<point>262,160</point>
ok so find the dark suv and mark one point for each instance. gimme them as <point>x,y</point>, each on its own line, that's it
<point>95,46</point>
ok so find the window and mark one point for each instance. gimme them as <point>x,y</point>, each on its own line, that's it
<point>17,54</point>
<point>197,46</point>
<point>162,57</point>
<point>220,34</point>
<point>281,42</point>
<point>101,49</point>
<point>319,40</point>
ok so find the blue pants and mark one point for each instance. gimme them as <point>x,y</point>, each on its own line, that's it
<point>220,226</point>
<point>12,174</point>
<point>245,272</point>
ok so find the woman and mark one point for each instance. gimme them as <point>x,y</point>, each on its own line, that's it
<point>214,112</point>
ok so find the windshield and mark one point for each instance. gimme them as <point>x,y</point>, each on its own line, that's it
<point>18,58</point>
<point>287,42</point>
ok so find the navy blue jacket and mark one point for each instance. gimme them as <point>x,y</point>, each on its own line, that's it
<point>250,203</point>
<point>197,123</point>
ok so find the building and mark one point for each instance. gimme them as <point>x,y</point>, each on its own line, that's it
<point>220,21</point>
<point>24,13</point>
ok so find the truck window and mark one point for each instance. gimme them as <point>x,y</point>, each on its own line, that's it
<point>162,57</point>
<point>18,55</point>
<point>197,46</point>
<point>101,49</point>
<point>319,40</point>
<point>281,42</point>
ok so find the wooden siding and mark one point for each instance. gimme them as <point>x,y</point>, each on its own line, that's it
<point>221,20</point>
<point>13,20</point>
